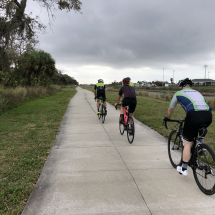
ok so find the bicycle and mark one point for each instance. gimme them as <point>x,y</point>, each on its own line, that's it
<point>127,125</point>
<point>202,159</point>
<point>102,112</point>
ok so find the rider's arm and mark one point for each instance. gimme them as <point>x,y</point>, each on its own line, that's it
<point>120,95</point>
<point>95,90</point>
<point>118,99</point>
<point>169,112</point>
<point>172,105</point>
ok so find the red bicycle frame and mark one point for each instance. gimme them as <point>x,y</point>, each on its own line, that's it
<point>125,115</point>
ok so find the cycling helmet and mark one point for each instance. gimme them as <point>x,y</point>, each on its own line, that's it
<point>100,80</point>
<point>185,82</point>
<point>126,80</point>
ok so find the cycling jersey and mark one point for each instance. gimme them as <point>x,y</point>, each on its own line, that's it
<point>130,84</point>
<point>99,86</point>
<point>190,100</point>
<point>128,92</point>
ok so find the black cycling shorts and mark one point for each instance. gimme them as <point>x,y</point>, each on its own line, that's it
<point>192,122</point>
<point>131,102</point>
<point>101,94</point>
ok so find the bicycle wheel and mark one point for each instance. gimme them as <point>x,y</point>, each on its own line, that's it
<point>130,130</point>
<point>103,114</point>
<point>204,169</point>
<point>175,149</point>
<point>99,115</point>
<point>121,127</point>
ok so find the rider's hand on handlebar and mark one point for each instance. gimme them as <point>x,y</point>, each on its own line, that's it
<point>166,119</point>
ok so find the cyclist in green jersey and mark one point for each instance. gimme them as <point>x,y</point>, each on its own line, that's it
<point>99,92</point>
<point>198,112</point>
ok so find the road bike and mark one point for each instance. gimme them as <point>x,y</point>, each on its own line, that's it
<point>202,159</point>
<point>102,113</point>
<point>127,125</point>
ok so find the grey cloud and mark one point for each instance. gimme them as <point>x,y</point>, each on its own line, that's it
<point>138,33</point>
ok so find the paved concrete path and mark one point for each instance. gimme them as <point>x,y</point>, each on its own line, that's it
<point>92,169</point>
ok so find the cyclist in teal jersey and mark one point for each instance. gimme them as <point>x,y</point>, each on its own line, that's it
<point>198,112</point>
<point>99,91</point>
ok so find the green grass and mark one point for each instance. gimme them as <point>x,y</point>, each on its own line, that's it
<point>151,112</point>
<point>27,135</point>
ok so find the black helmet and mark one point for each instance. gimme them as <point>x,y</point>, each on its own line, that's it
<point>185,82</point>
<point>126,80</point>
<point>100,80</point>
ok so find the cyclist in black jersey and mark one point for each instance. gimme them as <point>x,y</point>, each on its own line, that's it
<point>198,112</point>
<point>129,99</point>
<point>99,92</point>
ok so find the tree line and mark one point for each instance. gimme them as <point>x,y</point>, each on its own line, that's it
<point>20,62</point>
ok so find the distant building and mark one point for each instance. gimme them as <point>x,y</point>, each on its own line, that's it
<point>166,84</point>
<point>145,84</point>
<point>136,85</point>
<point>203,82</point>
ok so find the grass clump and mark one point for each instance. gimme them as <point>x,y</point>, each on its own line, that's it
<point>27,135</point>
<point>12,97</point>
<point>211,102</point>
<point>143,93</point>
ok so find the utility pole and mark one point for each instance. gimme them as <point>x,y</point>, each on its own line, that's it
<point>208,74</point>
<point>205,72</point>
<point>163,76</point>
<point>205,69</point>
<point>173,76</point>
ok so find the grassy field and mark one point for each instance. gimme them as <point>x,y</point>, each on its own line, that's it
<point>151,112</point>
<point>27,135</point>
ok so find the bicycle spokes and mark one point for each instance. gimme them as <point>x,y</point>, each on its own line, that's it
<point>204,170</point>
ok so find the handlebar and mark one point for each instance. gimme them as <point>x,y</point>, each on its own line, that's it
<point>174,120</point>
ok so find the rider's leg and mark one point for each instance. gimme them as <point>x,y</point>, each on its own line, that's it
<point>186,157</point>
<point>105,107</point>
<point>98,104</point>
<point>122,110</point>
<point>187,151</point>
<point>131,115</point>
<point>121,114</point>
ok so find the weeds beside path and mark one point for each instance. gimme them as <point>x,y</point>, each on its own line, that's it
<point>27,135</point>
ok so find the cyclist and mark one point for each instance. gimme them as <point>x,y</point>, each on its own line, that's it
<point>129,98</point>
<point>198,112</point>
<point>99,91</point>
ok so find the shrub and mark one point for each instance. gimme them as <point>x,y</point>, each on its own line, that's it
<point>155,96</point>
<point>211,102</point>
<point>11,97</point>
<point>143,93</point>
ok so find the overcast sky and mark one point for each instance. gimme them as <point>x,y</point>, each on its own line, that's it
<point>113,39</point>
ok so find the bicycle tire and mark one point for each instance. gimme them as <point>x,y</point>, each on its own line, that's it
<point>103,114</point>
<point>204,169</point>
<point>121,127</point>
<point>99,115</point>
<point>130,130</point>
<point>175,149</point>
